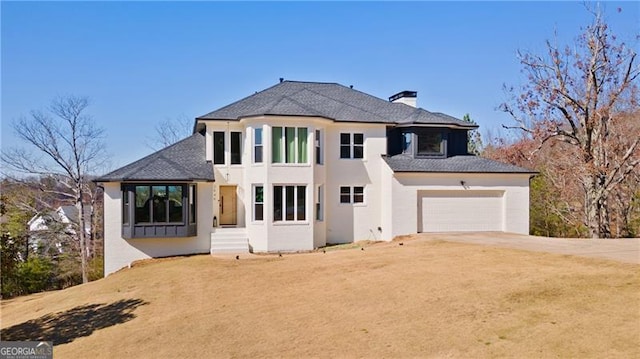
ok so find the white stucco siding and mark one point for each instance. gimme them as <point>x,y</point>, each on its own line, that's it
<point>505,195</point>
<point>120,253</point>
<point>354,221</point>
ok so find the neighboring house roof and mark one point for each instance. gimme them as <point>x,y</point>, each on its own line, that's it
<point>468,164</point>
<point>62,214</point>
<point>183,161</point>
<point>332,101</point>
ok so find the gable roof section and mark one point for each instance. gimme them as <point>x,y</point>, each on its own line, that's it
<point>182,161</point>
<point>455,164</point>
<point>329,100</point>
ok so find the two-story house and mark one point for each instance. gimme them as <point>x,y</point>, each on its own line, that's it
<point>304,164</point>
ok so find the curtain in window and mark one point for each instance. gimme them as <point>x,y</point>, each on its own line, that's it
<point>290,138</point>
<point>276,144</point>
<point>302,145</point>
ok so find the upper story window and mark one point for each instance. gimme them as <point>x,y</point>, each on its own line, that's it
<point>257,145</point>
<point>218,147</point>
<point>289,145</point>
<point>351,145</point>
<point>236,148</point>
<point>318,147</point>
<point>430,144</point>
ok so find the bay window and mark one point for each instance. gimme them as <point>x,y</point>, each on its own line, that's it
<point>158,210</point>
<point>430,144</point>
<point>257,145</point>
<point>289,203</point>
<point>258,203</point>
<point>289,145</point>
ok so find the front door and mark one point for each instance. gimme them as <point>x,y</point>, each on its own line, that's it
<point>227,205</point>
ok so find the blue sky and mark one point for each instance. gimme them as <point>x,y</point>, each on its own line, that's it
<point>144,62</point>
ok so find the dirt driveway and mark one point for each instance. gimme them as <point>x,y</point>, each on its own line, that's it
<point>622,250</point>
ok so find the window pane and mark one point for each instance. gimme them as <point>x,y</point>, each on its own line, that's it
<point>345,194</point>
<point>257,136</point>
<point>290,207</point>
<point>318,148</point>
<point>175,203</point>
<point>406,142</point>
<point>125,206</point>
<point>302,195</point>
<point>258,154</point>
<point>302,145</point>
<point>258,199</point>
<point>277,203</point>
<point>345,139</point>
<point>358,194</point>
<point>257,140</point>
<point>430,143</point>
<point>358,139</point>
<point>319,215</point>
<point>159,194</point>
<point>218,148</point>
<point>345,151</point>
<point>143,204</point>
<point>276,144</point>
<point>236,156</point>
<point>192,204</point>
<point>290,138</point>
<point>358,151</point>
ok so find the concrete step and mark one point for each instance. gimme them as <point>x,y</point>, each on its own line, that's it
<point>229,240</point>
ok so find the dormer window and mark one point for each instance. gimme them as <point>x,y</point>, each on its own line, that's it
<point>430,144</point>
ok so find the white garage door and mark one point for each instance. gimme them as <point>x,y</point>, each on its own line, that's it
<point>452,211</point>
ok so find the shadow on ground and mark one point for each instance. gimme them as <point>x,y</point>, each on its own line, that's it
<point>65,327</point>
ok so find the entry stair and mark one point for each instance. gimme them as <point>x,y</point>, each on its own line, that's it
<point>229,240</point>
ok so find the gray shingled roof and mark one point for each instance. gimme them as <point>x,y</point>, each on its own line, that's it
<point>329,100</point>
<point>468,164</point>
<point>182,161</point>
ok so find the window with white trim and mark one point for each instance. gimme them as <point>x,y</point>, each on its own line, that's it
<point>258,203</point>
<point>236,148</point>
<point>318,147</point>
<point>289,144</point>
<point>289,203</point>
<point>319,207</point>
<point>218,147</point>
<point>351,145</point>
<point>353,194</point>
<point>257,145</point>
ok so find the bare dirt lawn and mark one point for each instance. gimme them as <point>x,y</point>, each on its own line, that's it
<point>419,299</point>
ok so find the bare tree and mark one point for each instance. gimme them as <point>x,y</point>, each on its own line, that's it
<point>170,131</point>
<point>576,95</point>
<point>68,148</point>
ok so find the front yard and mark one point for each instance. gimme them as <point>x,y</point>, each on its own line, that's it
<point>419,299</point>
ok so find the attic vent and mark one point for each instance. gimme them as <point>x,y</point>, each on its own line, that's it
<point>405,97</point>
<point>281,79</point>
